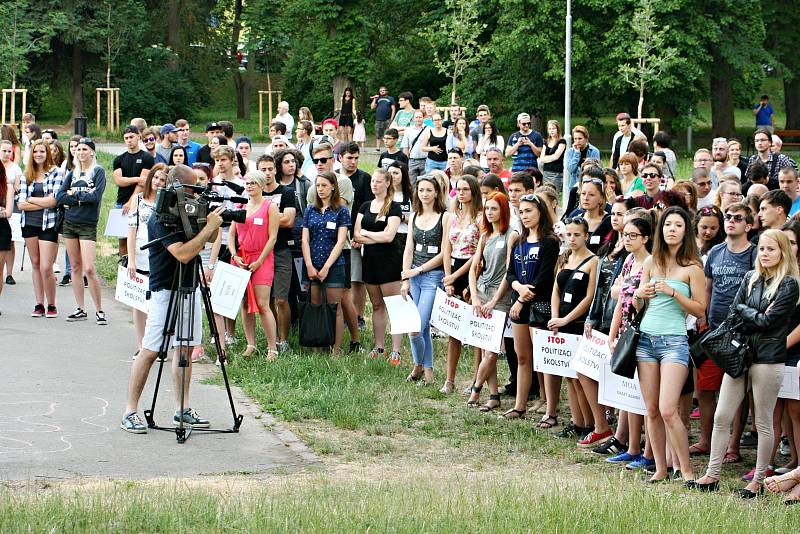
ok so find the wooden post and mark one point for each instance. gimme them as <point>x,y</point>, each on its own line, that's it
<point>269,94</point>
<point>97,101</point>
<point>112,107</point>
<point>11,94</point>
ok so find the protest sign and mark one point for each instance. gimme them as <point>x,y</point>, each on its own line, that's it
<point>553,352</point>
<point>227,289</point>
<point>117,224</point>
<point>590,353</point>
<point>790,388</point>
<point>132,291</point>
<point>619,392</point>
<point>403,315</point>
<point>16,227</point>
<point>483,332</point>
<point>448,314</point>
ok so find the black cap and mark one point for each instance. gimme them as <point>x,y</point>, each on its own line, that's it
<point>213,126</point>
<point>130,129</point>
<point>88,142</point>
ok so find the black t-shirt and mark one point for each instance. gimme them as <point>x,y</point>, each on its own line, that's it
<point>285,199</point>
<point>204,155</point>
<point>373,222</point>
<point>163,264</point>
<point>131,165</point>
<point>362,192</point>
<point>386,159</point>
<point>557,165</point>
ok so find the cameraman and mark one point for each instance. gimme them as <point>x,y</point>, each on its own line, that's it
<point>164,258</point>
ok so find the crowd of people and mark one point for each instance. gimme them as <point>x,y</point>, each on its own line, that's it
<point>441,211</point>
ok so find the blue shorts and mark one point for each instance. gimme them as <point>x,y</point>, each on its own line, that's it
<point>663,349</point>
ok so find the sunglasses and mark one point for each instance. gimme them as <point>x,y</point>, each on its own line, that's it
<point>524,124</point>
<point>737,218</point>
<point>320,160</point>
<point>593,180</point>
<point>575,220</point>
<point>149,139</point>
<point>650,175</point>
<point>530,198</point>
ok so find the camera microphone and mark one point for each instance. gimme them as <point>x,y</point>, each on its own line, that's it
<point>233,186</point>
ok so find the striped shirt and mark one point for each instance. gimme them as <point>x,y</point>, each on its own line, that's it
<point>52,183</point>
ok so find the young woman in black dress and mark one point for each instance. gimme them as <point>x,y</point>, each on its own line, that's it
<point>346,113</point>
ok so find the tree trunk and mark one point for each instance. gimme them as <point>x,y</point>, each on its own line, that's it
<point>240,79</point>
<point>77,81</point>
<point>722,121</point>
<point>174,10</point>
<point>791,89</point>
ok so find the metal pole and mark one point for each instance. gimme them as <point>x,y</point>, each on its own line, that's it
<point>689,133</point>
<point>567,97</point>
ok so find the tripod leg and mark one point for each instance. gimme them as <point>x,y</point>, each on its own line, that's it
<point>205,293</point>
<point>169,330</point>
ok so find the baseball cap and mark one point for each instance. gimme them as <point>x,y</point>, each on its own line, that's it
<point>213,126</point>
<point>523,117</point>
<point>168,128</point>
<point>87,141</point>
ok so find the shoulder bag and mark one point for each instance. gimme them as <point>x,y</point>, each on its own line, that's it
<point>623,360</point>
<point>727,347</point>
<point>318,323</point>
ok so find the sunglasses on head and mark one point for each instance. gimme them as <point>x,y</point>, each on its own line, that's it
<point>734,217</point>
<point>593,180</point>
<point>709,210</point>
<point>576,220</point>
<point>320,160</point>
<point>530,198</point>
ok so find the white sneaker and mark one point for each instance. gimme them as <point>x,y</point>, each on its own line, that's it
<point>56,268</point>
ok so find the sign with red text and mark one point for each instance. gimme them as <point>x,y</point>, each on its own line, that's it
<point>619,392</point>
<point>132,291</point>
<point>552,353</point>
<point>448,314</point>
<point>590,354</point>
<point>483,332</point>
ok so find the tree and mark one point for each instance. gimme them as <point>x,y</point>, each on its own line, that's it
<point>116,36</point>
<point>454,40</point>
<point>24,31</point>
<point>652,59</point>
<point>784,19</point>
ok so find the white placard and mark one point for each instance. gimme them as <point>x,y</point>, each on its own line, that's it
<point>591,352</point>
<point>16,227</point>
<point>298,270</point>
<point>483,332</point>
<point>790,389</point>
<point>619,392</point>
<point>403,315</point>
<point>553,352</point>
<point>117,224</point>
<point>227,289</point>
<point>448,314</point>
<point>132,291</point>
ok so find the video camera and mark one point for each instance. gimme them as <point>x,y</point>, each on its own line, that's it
<point>186,207</point>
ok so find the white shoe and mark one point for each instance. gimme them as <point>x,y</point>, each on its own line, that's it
<point>56,268</point>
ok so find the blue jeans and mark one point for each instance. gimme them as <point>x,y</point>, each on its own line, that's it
<point>423,292</point>
<point>431,165</point>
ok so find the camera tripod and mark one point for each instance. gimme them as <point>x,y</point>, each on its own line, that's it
<point>181,310</point>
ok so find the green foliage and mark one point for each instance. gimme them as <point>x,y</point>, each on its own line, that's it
<point>24,32</point>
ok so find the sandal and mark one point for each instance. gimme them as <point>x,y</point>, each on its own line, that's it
<point>548,421</point>
<point>489,406</point>
<point>792,497</point>
<point>272,355</point>
<point>697,450</point>
<point>474,403</point>
<point>731,458</point>
<point>448,387</point>
<point>513,413</point>
<point>774,484</point>
<point>249,350</point>
<point>542,409</point>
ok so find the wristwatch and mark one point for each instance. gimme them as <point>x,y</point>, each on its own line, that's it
<point>212,266</point>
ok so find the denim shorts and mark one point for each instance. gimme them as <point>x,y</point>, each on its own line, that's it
<point>663,349</point>
<point>334,280</point>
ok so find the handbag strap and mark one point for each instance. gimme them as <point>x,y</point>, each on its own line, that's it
<point>637,319</point>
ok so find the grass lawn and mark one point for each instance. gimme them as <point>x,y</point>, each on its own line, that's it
<point>395,457</point>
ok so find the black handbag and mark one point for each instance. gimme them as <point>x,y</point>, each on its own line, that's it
<point>541,312</point>
<point>623,360</point>
<point>727,347</point>
<point>317,323</point>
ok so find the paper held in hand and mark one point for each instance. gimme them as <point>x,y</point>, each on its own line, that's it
<point>590,354</point>
<point>552,353</point>
<point>457,319</point>
<point>403,314</point>
<point>132,291</point>
<point>227,289</point>
<point>619,392</point>
<point>117,224</point>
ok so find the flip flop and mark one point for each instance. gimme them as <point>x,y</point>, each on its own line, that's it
<point>548,421</point>
<point>731,458</point>
<point>514,414</point>
<point>697,450</point>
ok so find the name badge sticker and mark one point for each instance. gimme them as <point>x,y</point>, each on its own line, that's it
<point>419,247</point>
<point>499,244</point>
<point>578,275</point>
<point>331,225</point>
<point>594,240</point>
<point>567,297</point>
<point>433,249</point>
<point>258,221</point>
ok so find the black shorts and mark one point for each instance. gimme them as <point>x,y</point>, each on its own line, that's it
<point>224,254</point>
<point>524,314</point>
<point>5,235</point>
<point>462,282</point>
<point>346,254</point>
<point>44,235</point>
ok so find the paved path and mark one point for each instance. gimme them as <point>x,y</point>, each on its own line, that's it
<point>63,391</point>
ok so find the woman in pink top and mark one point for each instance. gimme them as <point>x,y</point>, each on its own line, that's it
<point>254,251</point>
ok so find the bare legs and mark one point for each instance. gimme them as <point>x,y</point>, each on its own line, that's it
<point>81,258</point>
<point>42,255</point>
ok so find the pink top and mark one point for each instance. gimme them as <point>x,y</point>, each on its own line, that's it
<point>252,237</point>
<point>464,241</point>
